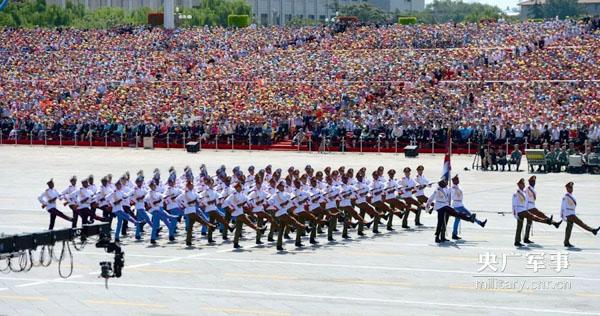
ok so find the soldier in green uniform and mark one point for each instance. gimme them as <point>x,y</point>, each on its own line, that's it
<point>563,158</point>
<point>550,160</point>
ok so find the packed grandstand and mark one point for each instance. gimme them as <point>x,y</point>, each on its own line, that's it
<point>490,83</point>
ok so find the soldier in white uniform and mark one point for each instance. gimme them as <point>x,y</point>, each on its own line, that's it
<point>189,199</point>
<point>531,208</point>
<point>422,183</point>
<point>567,212</point>
<point>361,188</point>
<point>257,199</point>
<point>117,198</point>
<point>375,198</point>
<point>440,199</point>
<point>390,196</point>
<point>208,201</point>
<point>457,203</point>
<point>237,203</point>
<point>408,188</point>
<point>282,203</point>
<point>137,200</point>
<point>519,206</point>
<point>69,196</point>
<point>300,200</point>
<point>48,200</point>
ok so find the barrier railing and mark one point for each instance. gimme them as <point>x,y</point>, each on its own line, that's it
<point>249,142</point>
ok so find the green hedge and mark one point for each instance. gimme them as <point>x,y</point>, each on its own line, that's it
<point>406,20</point>
<point>238,20</point>
<point>536,20</point>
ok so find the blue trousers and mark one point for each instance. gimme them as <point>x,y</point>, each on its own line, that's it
<point>179,212</point>
<point>461,210</point>
<point>122,216</point>
<point>169,220</point>
<point>203,214</point>
<point>142,217</point>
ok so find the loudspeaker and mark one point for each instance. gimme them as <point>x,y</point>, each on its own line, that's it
<point>192,147</point>
<point>411,151</point>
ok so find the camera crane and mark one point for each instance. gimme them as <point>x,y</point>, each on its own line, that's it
<point>18,250</point>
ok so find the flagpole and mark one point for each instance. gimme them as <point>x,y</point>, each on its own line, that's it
<point>450,140</point>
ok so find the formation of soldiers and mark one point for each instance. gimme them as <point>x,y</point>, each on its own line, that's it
<point>307,203</point>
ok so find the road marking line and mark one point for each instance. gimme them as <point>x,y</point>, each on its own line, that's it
<point>261,276</point>
<point>124,303</point>
<point>587,294</point>
<point>23,298</point>
<point>245,311</point>
<point>373,253</point>
<point>46,281</point>
<point>164,270</point>
<point>334,265</point>
<point>343,298</point>
<point>292,278</point>
<point>463,246</point>
<point>471,288</point>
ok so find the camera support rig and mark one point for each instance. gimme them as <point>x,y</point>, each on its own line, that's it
<point>20,248</point>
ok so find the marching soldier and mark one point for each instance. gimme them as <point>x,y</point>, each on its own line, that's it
<point>139,195</point>
<point>440,199</point>
<point>238,204</point>
<point>302,214</point>
<point>102,199</point>
<point>376,198</point>
<point>154,201</point>
<point>117,199</point>
<point>531,208</point>
<point>422,182</point>
<point>519,206</point>
<point>567,212</point>
<point>257,201</point>
<point>48,200</point>
<point>362,189</point>
<point>391,198</point>
<point>69,196</point>
<point>281,201</point>
<point>457,203</point>
<point>189,200</point>
<point>408,187</point>
<point>209,198</point>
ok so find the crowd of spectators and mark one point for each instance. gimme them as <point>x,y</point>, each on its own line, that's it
<point>490,83</point>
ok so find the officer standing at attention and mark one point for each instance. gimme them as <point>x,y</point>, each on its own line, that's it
<point>567,212</point>
<point>48,200</point>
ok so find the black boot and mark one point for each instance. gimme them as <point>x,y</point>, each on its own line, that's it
<point>568,231</point>
<point>527,231</point>
<point>518,233</point>
<point>418,218</point>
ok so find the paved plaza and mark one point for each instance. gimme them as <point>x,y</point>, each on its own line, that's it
<point>402,272</point>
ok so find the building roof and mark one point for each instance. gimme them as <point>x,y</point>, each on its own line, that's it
<point>534,2</point>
